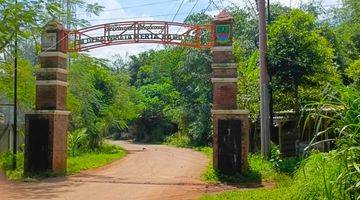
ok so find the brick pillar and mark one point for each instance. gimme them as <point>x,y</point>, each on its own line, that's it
<point>46,126</point>
<point>230,125</point>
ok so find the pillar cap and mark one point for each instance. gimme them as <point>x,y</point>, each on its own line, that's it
<point>224,65</point>
<point>51,82</point>
<point>221,48</point>
<point>54,24</point>
<point>223,16</point>
<point>224,80</point>
<point>230,112</point>
<point>49,112</point>
<point>52,70</point>
<point>53,54</point>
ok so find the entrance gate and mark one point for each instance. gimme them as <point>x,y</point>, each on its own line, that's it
<point>46,127</point>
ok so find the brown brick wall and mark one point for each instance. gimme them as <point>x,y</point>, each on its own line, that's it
<point>51,76</point>
<point>59,143</point>
<point>223,57</point>
<point>53,62</point>
<point>224,95</point>
<point>51,97</point>
<point>224,72</point>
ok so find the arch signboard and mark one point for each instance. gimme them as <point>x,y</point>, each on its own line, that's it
<point>158,32</point>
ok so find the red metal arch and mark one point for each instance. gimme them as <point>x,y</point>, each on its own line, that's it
<point>129,32</point>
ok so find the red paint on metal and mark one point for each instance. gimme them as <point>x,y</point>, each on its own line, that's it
<point>139,31</point>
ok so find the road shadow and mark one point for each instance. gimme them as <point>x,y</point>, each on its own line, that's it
<point>48,188</point>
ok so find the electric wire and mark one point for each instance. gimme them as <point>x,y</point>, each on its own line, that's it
<point>162,15</point>
<point>216,5</point>
<point>192,9</point>
<point>182,2</point>
<point>222,4</point>
<point>135,6</point>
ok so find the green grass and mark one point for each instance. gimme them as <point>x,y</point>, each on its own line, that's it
<point>93,160</point>
<point>281,193</point>
<point>315,178</point>
<point>259,170</point>
<point>86,160</point>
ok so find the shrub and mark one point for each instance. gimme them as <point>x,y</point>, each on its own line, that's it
<point>178,140</point>
<point>275,156</point>
<point>77,141</point>
<point>6,165</point>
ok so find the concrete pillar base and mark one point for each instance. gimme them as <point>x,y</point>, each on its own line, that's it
<point>230,140</point>
<point>45,142</point>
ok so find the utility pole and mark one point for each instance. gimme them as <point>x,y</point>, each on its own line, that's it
<point>268,11</point>
<point>264,84</point>
<point>271,99</point>
<point>15,98</point>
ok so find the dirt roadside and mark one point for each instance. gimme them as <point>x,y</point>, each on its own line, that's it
<point>148,172</point>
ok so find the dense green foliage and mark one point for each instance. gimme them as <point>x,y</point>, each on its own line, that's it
<point>101,101</point>
<point>176,92</point>
<point>26,18</point>
<point>26,82</point>
<point>300,59</point>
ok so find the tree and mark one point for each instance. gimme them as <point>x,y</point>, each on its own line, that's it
<point>26,82</point>
<point>299,58</point>
<point>100,99</point>
<point>248,86</point>
<point>27,18</point>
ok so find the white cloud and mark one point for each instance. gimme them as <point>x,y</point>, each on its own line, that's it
<point>117,14</point>
<point>297,3</point>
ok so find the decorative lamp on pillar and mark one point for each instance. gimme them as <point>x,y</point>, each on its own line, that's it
<point>230,125</point>
<point>46,126</point>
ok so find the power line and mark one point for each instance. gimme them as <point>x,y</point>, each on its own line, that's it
<point>192,9</point>
<point>177,12</point>
<point>207,8</point>
<point>135,6</point>
<point>182,2</point>
<point>212,1</point>
<point>163,15</point>
<point>222,5</point>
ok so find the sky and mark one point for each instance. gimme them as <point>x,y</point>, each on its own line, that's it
<point>164,10</point>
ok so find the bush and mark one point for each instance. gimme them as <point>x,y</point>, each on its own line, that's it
<point>6,165</point>
<point>178,140</point>
<point>77,141</point>
<point>261,166</point>
<point>275,156</point>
